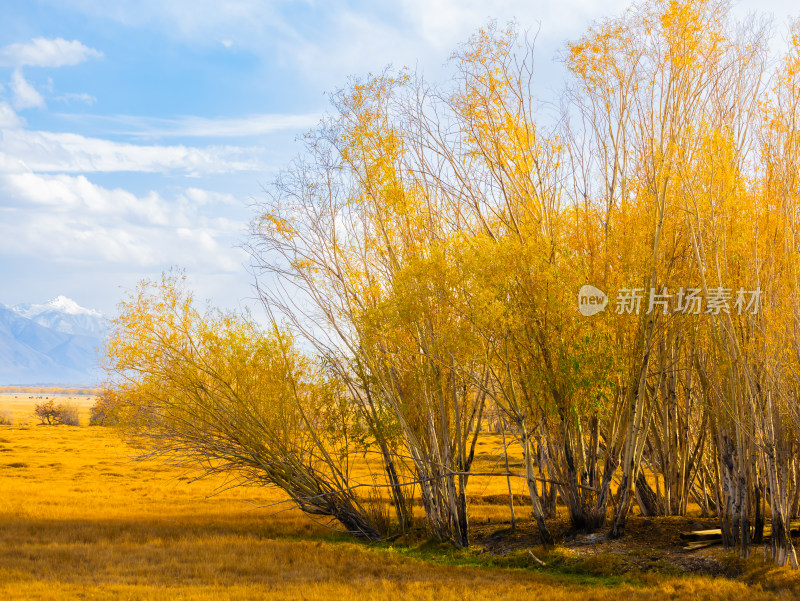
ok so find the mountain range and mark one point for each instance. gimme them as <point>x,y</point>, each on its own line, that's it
<point>53,343</point>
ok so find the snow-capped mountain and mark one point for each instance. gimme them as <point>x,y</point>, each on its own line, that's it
<point>64,315</point>
<point>52,343</point>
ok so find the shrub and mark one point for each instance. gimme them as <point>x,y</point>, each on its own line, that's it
<point>105,411</point>
<point>6,419</point>
<point>64,413</point>
<point>46,412</point>
<point>67,414</point>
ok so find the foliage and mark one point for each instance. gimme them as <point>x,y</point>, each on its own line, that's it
<point>51,413</point>
<point>105,411</point>
<point>214,390</point>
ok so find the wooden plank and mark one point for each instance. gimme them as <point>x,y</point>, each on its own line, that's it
<point>716,534</point>
<point>701,544</point>
<point>702,535</point>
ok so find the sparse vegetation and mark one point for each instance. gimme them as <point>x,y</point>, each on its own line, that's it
<point>50,413</point>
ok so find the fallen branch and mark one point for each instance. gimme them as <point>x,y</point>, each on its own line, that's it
<point>536,559</point>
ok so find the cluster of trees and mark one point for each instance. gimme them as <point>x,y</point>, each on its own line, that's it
<point>426,250</point>
<point>49,390</point>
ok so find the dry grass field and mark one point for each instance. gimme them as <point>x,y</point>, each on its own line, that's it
<point>81,519</point>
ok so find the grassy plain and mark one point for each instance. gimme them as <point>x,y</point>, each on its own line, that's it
<point>80,518</point>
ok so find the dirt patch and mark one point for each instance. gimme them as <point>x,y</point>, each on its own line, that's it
<point>649,545</point>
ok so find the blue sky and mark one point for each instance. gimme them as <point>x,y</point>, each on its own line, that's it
<point>134,135</point>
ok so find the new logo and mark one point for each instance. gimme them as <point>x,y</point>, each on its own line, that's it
<point>591,300</point>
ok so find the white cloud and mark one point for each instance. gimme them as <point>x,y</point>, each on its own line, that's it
<point>337,38</point>
<point>63,193</point>
<point>43,151</point>
<point>206,197</point>
<point>190,126</point>
<point>70,97</point>
<point>449,22</point>
<point>186,19</point>
<point>9,119</point>
<point>69,219</point>
<point>253,125</point>
<point>25,95</point>
<point>331,40</point>
<point>43,52</point>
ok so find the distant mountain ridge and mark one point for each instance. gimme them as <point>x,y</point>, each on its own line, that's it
<point>53,343</point>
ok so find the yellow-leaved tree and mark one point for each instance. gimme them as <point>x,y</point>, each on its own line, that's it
<point>216,391</point>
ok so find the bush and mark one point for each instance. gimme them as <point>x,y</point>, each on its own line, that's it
<point>64,413</point>
<point>6,419</point>
<point>67,414</point>
<point>105,411</point>
<point>46,412</point>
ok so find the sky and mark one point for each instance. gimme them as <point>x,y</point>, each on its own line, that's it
<point>136,136</point>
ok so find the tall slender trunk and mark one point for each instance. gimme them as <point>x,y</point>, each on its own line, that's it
<point>530,477</point>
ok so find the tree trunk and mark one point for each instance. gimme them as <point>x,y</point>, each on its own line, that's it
<point>530,477</point>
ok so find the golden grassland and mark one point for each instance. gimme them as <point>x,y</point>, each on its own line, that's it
<point>80,518</point>
<point>19,405</point>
